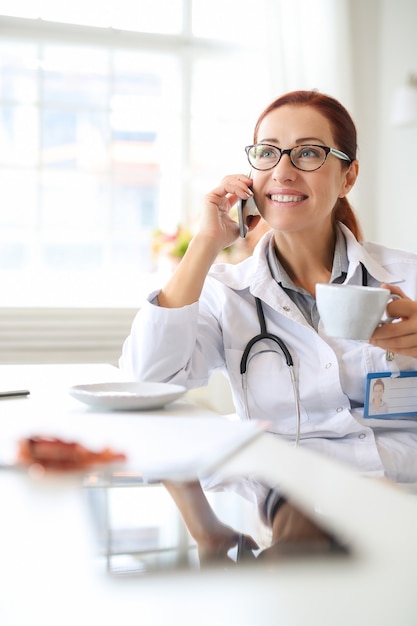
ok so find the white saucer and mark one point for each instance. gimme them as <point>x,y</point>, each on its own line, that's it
<point>127,396</point>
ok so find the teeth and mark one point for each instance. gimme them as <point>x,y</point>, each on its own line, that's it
<point>284,198</point>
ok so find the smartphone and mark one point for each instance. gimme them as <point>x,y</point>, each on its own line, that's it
<point>245,210</point>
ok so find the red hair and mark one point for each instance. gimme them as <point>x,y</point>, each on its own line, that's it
<point>344,134</point>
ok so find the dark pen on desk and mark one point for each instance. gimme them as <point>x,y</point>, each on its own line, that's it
<point>14,393</point>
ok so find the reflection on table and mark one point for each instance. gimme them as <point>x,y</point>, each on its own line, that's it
<point>137,527</point>
<point>139,530</point>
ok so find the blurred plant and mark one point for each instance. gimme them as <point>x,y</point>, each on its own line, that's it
<point>170,246</point>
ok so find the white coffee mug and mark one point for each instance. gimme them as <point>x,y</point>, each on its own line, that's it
<point>351,311</point>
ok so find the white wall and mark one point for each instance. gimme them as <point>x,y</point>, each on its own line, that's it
<point>397,195</point>
<point>365,19</point>
<point>384,42</point>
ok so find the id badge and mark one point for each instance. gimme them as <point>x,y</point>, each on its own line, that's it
<point>391,396</point>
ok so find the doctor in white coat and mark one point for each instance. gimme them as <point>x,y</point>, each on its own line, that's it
<point>303,164</point>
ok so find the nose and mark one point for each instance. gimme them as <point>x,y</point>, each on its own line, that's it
<point>284,169</point>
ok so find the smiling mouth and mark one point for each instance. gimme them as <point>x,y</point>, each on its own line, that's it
<point>280,197</point>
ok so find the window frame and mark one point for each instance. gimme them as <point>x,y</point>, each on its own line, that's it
<point>184,46</point>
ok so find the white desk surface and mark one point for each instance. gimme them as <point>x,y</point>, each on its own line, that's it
<point>48,575</point>
<point>160,443</point>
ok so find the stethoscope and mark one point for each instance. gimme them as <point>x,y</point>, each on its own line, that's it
<point>264,334</point>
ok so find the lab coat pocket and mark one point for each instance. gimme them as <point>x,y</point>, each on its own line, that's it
<point>270,392</point>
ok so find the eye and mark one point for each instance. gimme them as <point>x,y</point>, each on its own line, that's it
<point>265,152</point>
<point>308,152</point>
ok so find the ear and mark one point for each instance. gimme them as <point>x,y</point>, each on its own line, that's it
<point>349,180</point>
<point>252,221</point>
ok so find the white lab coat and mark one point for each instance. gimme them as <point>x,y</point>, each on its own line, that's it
<point>186,345</point>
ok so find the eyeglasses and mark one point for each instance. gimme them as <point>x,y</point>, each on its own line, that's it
<point>307,158</point>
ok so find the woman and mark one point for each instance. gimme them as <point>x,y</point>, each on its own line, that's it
<point>378,405</point>
<point>303,165</point>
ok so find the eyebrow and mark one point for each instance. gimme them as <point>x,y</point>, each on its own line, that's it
<point>298,141</point>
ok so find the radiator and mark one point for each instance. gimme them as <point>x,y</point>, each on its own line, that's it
<point>63,335</point>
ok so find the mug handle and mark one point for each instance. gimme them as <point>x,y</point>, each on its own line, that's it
<point>388,320</point>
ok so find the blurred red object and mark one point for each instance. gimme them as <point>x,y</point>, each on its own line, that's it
<point>55,454</point>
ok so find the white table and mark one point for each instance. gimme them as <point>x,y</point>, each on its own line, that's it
<point>48,575</point>
<point>159,441</point>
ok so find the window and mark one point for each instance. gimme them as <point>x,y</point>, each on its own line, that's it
<point>115,119</point>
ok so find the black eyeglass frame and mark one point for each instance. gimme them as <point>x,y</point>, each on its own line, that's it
<point>337,153</point>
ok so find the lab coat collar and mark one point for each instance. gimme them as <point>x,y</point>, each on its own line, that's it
<point>360,254</point>
<point>254,273</point>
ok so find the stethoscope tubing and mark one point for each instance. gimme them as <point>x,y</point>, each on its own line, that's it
<point>264,334</point>
<point>288,358</point>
